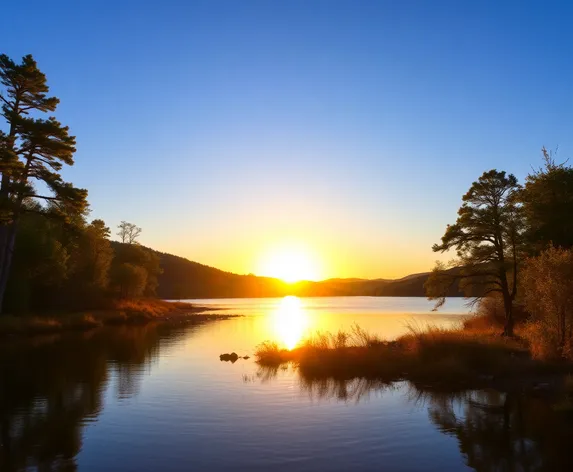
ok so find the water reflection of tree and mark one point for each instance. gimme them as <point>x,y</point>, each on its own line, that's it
<point>495,431</point>
<point>327,388</point>
<point>49,389</point>
<point>346,390</point>
<point>504,431</point>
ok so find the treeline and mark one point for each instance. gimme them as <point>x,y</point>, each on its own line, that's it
<point>514,246</point>
<point>51,256</point>
<point>72,265</point>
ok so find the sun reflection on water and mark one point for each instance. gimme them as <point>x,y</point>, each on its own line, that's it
<point>290,322</point>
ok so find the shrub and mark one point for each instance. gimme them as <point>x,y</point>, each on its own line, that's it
<point>548,293</point>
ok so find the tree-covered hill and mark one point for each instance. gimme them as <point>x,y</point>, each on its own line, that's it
<point>185,279</point>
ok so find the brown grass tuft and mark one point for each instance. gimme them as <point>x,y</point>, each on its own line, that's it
<point>422,355</point>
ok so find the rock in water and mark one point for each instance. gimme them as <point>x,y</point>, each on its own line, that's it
<point>229,357</point>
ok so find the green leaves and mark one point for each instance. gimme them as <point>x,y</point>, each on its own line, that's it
<point>26,87</point>
<point>35,149</point>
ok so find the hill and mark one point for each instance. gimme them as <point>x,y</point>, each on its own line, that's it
<point>185,279</point>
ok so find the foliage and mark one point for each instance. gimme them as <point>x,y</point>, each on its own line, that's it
<point>547,200</point>
<point>72,265</point>
<point>548,284</point>
<point>488,239</point>
<point>138,256</point>
<point>130,279</point>
<point>429,355</point>
<point>33,150</point>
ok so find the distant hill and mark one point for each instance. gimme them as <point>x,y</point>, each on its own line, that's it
<point>182,278</point>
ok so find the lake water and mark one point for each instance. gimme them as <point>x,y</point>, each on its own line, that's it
<point>157,398</point>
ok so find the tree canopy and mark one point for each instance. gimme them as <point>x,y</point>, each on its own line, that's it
<point>547,200</point>
<point>488,240</point>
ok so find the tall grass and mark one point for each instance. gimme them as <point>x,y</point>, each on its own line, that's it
<point>427,354</point>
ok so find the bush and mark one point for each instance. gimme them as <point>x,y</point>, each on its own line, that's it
<point>548,293</point>
<point>542,340</point>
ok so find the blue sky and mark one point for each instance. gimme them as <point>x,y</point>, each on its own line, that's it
<point>226,128</point>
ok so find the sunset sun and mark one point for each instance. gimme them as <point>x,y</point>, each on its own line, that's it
<point>290,263</point>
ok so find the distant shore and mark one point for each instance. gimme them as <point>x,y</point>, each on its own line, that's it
<point>121,312</point>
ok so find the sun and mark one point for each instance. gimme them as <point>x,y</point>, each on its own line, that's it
<point>290,263</point>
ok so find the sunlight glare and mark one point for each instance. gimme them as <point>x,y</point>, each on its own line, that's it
<point>289,322</point>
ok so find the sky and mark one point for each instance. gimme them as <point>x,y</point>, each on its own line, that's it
<point>234,132</point>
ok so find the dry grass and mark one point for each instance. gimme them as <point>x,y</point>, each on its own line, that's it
<point>118,312</point>
<point>14,325</point>
<point>423,355</point>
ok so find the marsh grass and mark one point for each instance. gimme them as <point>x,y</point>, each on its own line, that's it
<point>423,354</point>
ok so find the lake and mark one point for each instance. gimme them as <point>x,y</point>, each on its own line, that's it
<point>157,398</point>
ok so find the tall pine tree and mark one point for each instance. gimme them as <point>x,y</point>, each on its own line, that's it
<point>489,241</point>
<point>32,150</point>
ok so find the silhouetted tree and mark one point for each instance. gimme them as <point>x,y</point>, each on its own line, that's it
<point>33,149</point>
<point>548,205</point>
<point>488,238</point>
<point>128,232</point>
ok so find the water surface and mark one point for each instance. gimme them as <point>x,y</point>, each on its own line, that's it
<point>157,398</point>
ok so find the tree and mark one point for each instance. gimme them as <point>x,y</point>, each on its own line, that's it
<point>40,265</point>
<point>131,279</point>
<point>33,150</point>
<point>488,238</point>
<point>547,199</point>
<point>94,259</point>
<point>128,232</point>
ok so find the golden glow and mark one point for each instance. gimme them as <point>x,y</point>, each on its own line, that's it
<point>289,323</point>
<point>290,263</point>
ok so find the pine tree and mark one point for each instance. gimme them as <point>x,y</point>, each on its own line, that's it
<point>33,150</point>
<point>488,238</point>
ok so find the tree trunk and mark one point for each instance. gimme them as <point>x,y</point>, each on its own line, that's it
<point>7,241</point>
<point>507,304</point>
<point>508,328</point>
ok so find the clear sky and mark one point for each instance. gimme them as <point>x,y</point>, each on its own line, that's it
<point>348,129</point>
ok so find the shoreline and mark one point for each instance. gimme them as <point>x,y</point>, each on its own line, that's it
<point>120,313</point>
<point>434,359</point>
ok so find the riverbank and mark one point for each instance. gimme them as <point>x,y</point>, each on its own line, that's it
<point>121,312</point>
<point>438,358</point>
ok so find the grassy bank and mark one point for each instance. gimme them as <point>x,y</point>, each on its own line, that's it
<point>119,312</point>
<point>461,358</point>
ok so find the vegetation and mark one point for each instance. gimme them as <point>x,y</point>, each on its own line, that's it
<point>548,284</point>
<point>128,232</point>
<point>547,200</point>
<point>461,358</point>
<point>32,151</point>
<point>488,238</point>
<point>119,312</point>
<point>502,228</point>
<point>506,236</point>
<point>184,279</point>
